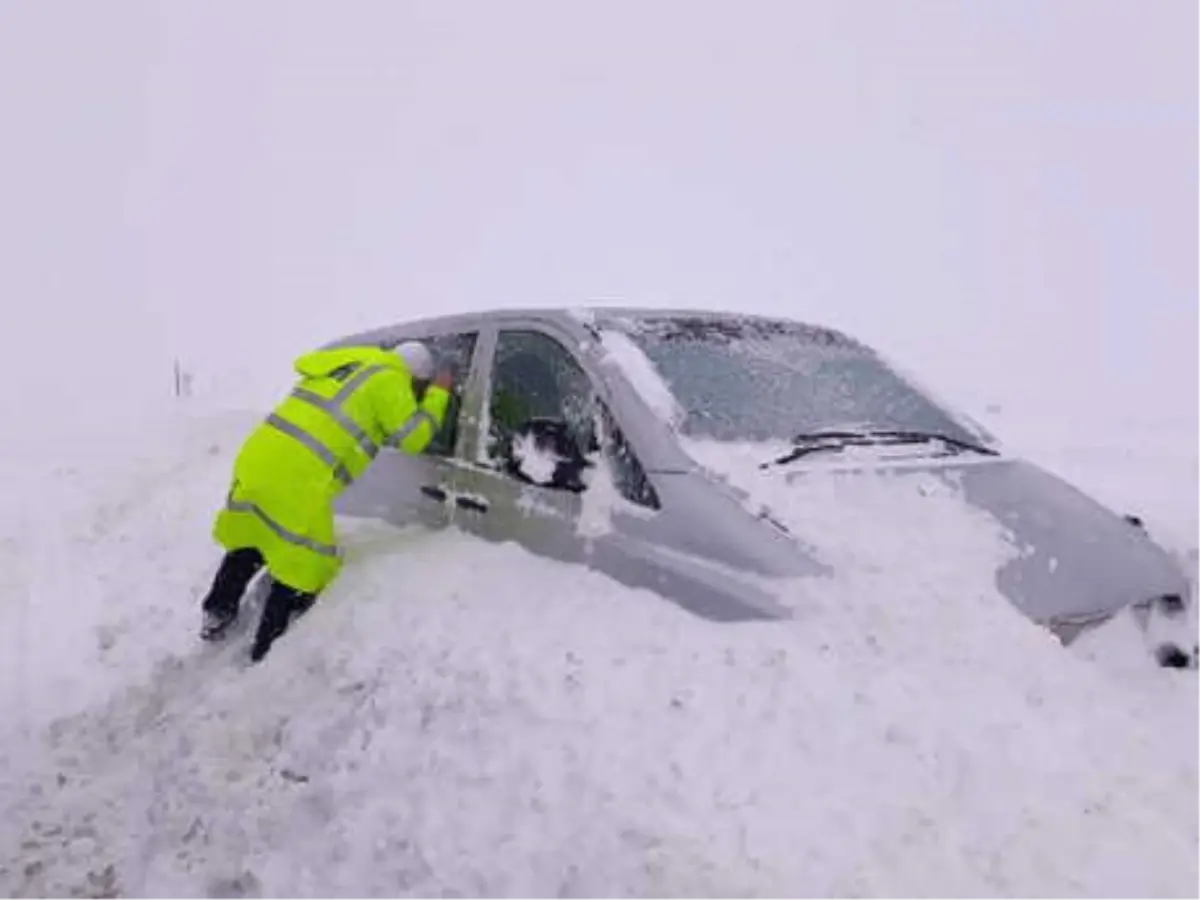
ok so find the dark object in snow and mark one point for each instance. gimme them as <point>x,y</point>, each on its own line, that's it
<point>1170,655</point>
<point>1135,521</point>
<point>1171,604</point>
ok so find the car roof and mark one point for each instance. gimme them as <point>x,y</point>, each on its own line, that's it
<point>577,320</point>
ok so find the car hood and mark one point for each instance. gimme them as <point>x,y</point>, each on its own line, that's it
<point>961,524</point>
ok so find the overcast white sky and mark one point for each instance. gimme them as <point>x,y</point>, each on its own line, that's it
<point>985,189</point>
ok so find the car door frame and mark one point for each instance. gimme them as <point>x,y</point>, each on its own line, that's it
<point>492,505</point>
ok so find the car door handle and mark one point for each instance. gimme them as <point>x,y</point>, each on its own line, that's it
<point>471,503</point>
<point>433,492</point>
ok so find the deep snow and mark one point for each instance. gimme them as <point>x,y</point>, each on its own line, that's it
<point>458,717</point>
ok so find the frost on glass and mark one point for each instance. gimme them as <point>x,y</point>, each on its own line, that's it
<point>749,379</point>
<point>534,377</point>
<point>623,352</point>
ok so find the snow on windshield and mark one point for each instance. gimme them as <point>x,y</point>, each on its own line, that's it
<point>643,375</point>
<point>738,379</point>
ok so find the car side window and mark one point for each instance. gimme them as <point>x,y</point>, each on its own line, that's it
<point>455,350</point>
<point>537,386</point>
<point>628,476</point>
<point>541,397</point>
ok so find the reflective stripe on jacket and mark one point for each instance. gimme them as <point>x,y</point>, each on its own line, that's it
<point>348,404</point>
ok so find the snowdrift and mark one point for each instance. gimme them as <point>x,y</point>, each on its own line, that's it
<point>459,717</point>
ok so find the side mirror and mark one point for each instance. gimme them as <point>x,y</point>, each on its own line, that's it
<point>544,452</point>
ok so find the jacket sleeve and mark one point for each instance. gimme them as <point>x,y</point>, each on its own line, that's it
<point>406,425</point>
<point>428,420</point>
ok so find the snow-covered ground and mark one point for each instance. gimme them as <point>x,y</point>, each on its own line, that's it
<point>459,717</point>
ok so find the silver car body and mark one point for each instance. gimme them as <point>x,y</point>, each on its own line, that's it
<point>688,535</point>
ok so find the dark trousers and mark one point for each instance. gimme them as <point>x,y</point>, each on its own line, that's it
<point>283,604</point>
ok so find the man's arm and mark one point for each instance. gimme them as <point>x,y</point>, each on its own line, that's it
<point>410,426</point>
<point>427,419</point>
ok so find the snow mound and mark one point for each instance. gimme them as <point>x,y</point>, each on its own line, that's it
<point>462,717</point>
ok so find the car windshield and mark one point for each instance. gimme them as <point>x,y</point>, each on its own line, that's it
<point>749,379</point>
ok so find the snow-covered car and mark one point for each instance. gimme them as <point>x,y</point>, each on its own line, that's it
<point>600,437</point>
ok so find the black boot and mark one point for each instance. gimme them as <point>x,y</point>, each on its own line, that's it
<point>284,604</point>
<point>224,598</point>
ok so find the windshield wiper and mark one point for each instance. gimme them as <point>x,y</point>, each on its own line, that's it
<point>833,439</point>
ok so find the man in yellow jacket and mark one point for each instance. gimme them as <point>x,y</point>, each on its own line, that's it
<point>347,405</point>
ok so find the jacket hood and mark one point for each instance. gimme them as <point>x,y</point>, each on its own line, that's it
<point>317,363</point>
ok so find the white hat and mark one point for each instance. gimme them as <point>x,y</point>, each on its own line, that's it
<point>417,358</point>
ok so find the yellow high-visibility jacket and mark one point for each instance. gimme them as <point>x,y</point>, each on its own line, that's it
<point>348,404</point>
